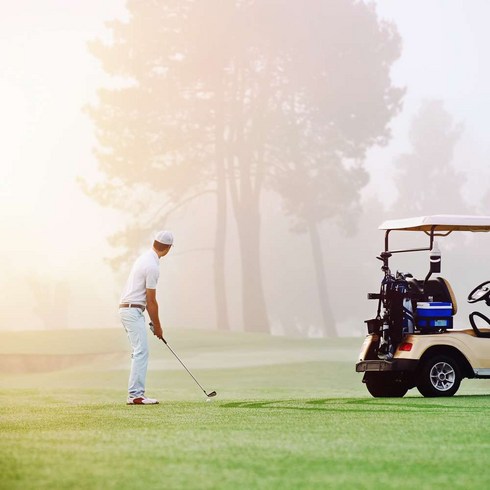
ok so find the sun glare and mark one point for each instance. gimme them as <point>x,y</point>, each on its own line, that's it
<point>13,115</point>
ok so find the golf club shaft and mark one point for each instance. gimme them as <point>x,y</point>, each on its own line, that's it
<point>178,358</point>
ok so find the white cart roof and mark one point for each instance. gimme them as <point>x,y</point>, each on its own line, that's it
<point>442,222</point>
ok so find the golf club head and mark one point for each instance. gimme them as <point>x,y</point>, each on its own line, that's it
<point>210,395</point>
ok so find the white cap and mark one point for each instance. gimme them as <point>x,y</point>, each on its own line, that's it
<point>164,237</point>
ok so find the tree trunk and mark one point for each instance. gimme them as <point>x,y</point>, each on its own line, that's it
<point>222,319</point>
<point>321,279</point>
<point>253,302</point>
<point>245,173</point>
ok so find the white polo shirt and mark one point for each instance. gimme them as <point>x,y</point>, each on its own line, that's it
<point>144,275</point>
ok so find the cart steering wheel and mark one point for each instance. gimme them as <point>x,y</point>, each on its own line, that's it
<point>480,293</point>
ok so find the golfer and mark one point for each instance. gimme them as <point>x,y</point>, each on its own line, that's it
<point>140,294</point>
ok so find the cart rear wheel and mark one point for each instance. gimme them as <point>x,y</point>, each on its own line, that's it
<point>439,376</point>
<point>383,385</point>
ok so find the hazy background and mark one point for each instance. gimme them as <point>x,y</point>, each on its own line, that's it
<point>395,124</point>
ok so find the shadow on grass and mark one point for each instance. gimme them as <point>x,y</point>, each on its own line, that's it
<point>422,405</point>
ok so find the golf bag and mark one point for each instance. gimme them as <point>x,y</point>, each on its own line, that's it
<point>395,314</point>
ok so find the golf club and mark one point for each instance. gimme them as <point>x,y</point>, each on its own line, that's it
<point>209,395</point>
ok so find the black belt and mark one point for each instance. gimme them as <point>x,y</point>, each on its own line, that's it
<point>132,305</point>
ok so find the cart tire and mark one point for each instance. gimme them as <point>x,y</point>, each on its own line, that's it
<point>439,376</point>
<point>384,385</point>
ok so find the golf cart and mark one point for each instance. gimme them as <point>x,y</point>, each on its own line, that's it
<point>411,341</point>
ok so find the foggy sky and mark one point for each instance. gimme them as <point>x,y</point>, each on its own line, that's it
<point>53,234</point>
<point>443,57</point>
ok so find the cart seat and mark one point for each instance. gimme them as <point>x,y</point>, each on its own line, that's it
<point>439,288</point>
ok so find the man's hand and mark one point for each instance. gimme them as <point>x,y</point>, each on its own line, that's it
<point>158,332</point>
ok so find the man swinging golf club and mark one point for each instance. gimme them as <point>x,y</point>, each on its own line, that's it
<point>140,294</point>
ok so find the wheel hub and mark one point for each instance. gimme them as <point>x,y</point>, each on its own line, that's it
<point>442,376</point>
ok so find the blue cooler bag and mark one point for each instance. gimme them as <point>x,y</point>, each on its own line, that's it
<point>434,315</point>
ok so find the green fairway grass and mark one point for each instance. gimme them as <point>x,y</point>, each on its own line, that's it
<point>289,414</point>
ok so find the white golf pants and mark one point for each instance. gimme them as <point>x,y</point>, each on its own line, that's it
<point>133,320</point>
